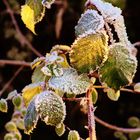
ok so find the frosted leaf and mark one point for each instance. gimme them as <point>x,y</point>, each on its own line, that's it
<point>52,69</point>
<point>121,30</point>
<point>46,71</point>
<point>120,67</point>
<point>50,108</point>
<point>89,52</point>
<point>70,82</point>
<point>38,75</point>
<point>48,3</point>
<point>37,62</point>
<point>57,71</point>
<point>53,57</point>
<point>31,117</point>
<point>90,22</point>
<point>107,10</point>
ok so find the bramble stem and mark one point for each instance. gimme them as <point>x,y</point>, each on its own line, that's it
<point>91,119</point>
<point>116,128</point>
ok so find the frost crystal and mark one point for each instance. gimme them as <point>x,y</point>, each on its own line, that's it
<point>47,3</point>
<point>50,107</point>
<point>90,22</point>
<point>108,11</point>
<point>121,30</point>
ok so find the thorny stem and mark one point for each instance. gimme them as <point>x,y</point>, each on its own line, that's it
<point>116,128</point>
<point>22,38</point>
<point>91,119</point>
<point>11,80</point>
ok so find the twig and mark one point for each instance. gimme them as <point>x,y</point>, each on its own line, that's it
<point>22,38</point>
<point>91,119</point>
<point>14,62</point>
<point>11,80</point>
<point>74,99</point>
<point>122,89</point>
<point>59,16</point>
<point>136,44</point>
<point>116,128</point>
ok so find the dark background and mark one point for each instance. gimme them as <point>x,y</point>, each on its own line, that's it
<point>116,113</point>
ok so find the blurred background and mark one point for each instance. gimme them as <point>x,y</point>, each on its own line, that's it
<point>12,48</point>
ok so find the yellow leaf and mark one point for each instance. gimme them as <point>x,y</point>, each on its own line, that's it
<point>30,91</point>
<point>27,16</point>
<point>65,63</point>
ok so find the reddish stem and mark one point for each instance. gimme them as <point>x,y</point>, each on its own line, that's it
<point>91,119</point>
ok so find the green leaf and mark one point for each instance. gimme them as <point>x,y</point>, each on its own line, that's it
<point>38,75</point>
<point>113,95</point>
<point>60,129</point>
<point>31,13</point>
<point>30,91</point>
<point>94,95</point>
<point>20,124</point>
<point>17,101</point>
<point>134,121</point>
<point>31,117</point>
<point>17,135</point>
<point>120,135</point>
<point>11,127</point>
<point>89,52</point>
<point>90,22</point>
<point>3,105</point>
<point>9,136</point>
<point>50,108</point>
<point>119,69</point>
<point>134,136</point>
<point>73,135</point>
<point>70,82</point>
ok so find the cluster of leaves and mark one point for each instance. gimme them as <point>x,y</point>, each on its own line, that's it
<point>17,122</point>
<point>94,50</point>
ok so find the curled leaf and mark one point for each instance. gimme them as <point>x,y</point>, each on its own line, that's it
<point>113,95</point>
<point>31,117</point>
<point>31,13</point>
<point>89,52</point>
<point>60,129</point>
<point>30,91</point>
<point>94,95</point>
<point>70,82</point>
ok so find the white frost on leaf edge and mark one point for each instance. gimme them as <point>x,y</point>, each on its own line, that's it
<point>89,23</point>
